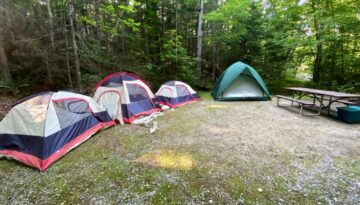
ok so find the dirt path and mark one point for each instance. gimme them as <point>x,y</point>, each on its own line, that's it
<point>311,156</point>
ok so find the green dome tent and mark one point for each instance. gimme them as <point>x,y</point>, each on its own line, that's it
<point>240,82</point>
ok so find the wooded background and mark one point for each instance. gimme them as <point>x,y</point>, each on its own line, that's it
<point>73,44</point>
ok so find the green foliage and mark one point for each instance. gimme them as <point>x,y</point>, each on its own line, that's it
<point>13,88</point>
<point>158,40</point>
<point>348,87</point>
<point>87,20</point>
<point>230,16</point>
<point>113,23</point>
<point>176,63</point>
<point>278,37</point>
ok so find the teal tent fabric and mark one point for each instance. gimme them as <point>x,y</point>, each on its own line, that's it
<point>233,72</point>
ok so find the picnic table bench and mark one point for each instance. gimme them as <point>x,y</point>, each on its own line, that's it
<point>324,98</point>
<point>349,102</point>
<point>301,103</point>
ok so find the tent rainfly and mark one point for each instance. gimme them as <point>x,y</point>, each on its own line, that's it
<point>240,82</point>
<point>175,94</point>
<point>40,129</point>
<point>126,96</point>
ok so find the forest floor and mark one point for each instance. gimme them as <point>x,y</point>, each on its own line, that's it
<point>204,153</point>
<point>5,105</point>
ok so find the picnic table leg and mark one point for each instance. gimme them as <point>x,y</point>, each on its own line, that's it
<point>321,103</point>
<point>314,98</point>
<point>329,105</point>
<point>293,96</point>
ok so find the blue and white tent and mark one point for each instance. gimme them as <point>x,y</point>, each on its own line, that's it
<point>175,94</point>
<point>40,129</point>
<point>126,96</point>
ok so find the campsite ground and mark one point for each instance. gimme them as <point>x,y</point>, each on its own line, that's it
<point>203,153</point>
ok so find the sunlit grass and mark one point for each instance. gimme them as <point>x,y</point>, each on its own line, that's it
<point>217,106</point>
<point>205,95</point>
<point>167,159</point>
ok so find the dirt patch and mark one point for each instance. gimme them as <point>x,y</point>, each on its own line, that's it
<point>5,105</point>
<point>273,144</point>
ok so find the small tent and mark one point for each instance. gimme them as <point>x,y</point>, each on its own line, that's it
<point>175,94</point>
<point>126,96</point>
<point>40,129</point>
<point>240,82</point>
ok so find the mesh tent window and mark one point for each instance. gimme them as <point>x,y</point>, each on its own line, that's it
<point>182,91</point>
<point>70,111</point>
<point>137,93</point>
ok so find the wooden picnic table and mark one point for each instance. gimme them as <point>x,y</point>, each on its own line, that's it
<point>323,96</point>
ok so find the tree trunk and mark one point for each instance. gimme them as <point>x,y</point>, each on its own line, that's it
<point>199,38</point>
<point>74,45</point>
<point>51,23</point>
<point>46,61</point>
<point>9,26</point>
<point>354,50</point>
<point>334,42</point>
<point>342,58</point>
<point>67,54</point>
<point>46,53</point>
<point>318,55</point>
<point>214,59</point>
<point>6,75</point>
<point>4,66</point>
<point>97,21</point>
<point>332,66</point>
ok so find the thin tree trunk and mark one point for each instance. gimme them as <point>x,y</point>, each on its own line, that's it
<point>123,46</point>
<point>46,61</point>
<point>46,53</point>
<point>74,45</point>
<point>67,54</point>
<point>7,77</point>
<point>51,23</point>
<point>97,21</point>
<point>342,57</point>
<point>355,48</point>
<point>84,27</point>
<point>4,66</point>
<point>68,64</point>
<point>9,25</point>
<point>332,67</point>
<point>214,59</point>
<point>318,55</point>
<point>176,37</point>
<point>199,38</point>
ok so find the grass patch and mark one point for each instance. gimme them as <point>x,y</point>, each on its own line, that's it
<point>350,166</point>
<point>167,159</point>
<point>205,95</point>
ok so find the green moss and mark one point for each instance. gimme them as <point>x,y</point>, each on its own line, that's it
<point>350,166</point>
<point>205,95</point>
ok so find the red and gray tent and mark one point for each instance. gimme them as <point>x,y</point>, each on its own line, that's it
<point>42,128</point>
<point>126,96</point>
<point>175,94</point>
